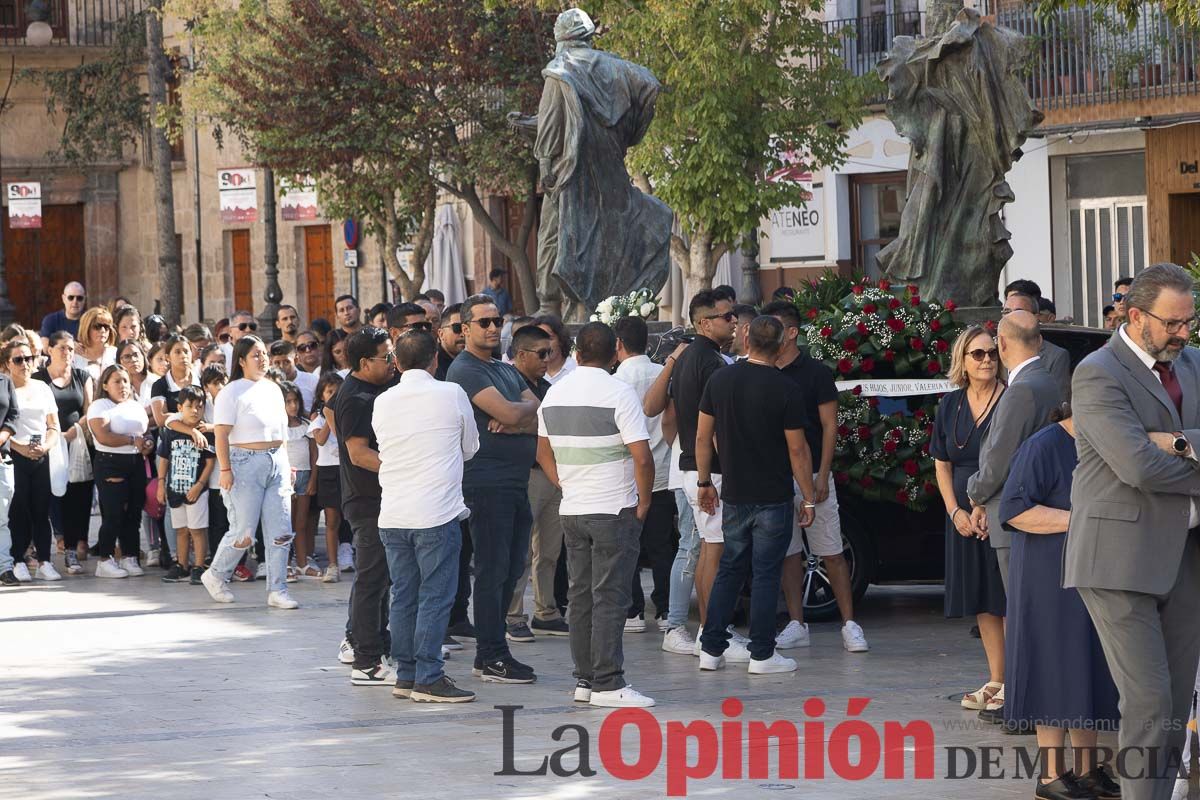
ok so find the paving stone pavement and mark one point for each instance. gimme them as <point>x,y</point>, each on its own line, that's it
<point>138,689</point>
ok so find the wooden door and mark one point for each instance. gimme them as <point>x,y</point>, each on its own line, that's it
<point>318,271</point>
<point>1185,226</point>
<point>40,262</point>
<point>239,251</point>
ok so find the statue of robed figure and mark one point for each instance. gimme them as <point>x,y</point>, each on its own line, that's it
<point>958,97</point>
<point>598,234</point>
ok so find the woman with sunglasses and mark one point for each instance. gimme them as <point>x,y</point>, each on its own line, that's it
<point>120,426</point>
<point>973,584</point>
<point>73,390</point>
<point>95,346</point>
<point>34,436</point>
<point>255,477</point>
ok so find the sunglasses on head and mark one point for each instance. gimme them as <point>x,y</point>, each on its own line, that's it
<point>76,298</point>
<point>543,354</point>
<point>486,322</point>
<point>247,326</point>
<point>979,354</point>
<point>307,347</point>
<point>728,316</point>
<point>455,327</point>
<point>20,360</point>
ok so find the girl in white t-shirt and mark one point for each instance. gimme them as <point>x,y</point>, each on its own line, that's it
<point>301,452</point>
<point>328,466</point>
<point>35,435</point>
<point>119,425</point>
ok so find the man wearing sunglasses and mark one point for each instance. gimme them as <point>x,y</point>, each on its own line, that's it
<point>451,339</point>
<point>406,317</point>
<point>74,298</point>
<point>496,484</point>
<point>1120,289</point>
<point>241,324</point>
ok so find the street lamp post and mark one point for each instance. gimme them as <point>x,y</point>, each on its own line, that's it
<point>273,294</point>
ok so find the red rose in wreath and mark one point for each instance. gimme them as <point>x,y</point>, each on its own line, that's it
<point>856,391</point>
<point>885,285</point>
<point>893,303</point>
<point>934,367</point>
<point>850,345</point>
<point>870,308</point>
<point>930,488</point>
<point>843,431</point>
<point>911,467</point>
<point>857,288</point>
<point>862,328</point>
<point>889,355</point>
<point>844,366</point>
<point>915,301</point>
<point>864,432</point>
<point>896,325</point>
<point>873,402</point>
<point>901,496</point>
<point>890,446</point>
<point>916,344</point>
<point>826,332</point>
<point>935,326</point>
<point>866,481</point>
<point>941,346</point>
<point>813,313</point>
<point>867,364</point>
<point>951,305</point>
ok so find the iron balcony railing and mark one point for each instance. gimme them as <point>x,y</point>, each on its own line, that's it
<point>73,23</point>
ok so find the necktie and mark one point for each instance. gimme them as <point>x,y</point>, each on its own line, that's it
<point>1170,383</point>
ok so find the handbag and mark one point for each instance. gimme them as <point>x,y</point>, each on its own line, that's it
<point>153,508</point>
<point>79,460</point>
<point>58,468</point>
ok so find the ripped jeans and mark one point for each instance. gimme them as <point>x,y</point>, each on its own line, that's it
<point>683,571</point>
<point>262,489</point>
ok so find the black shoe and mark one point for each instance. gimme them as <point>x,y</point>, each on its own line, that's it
<point>197,573</point>
<point>450,643</point>
<point>505,670</point>
<point>1064,787</point>
<point>376,675</point>
<point>402,689</point>
<point>444,691</point>
<point>551,627</point>
<point>975,631</point>
<point>7,578</point>
<point>518,632</point>
<point>1100,784</point>
<point>176,574</point>
<point>462,630</point>
<point>995,716</point>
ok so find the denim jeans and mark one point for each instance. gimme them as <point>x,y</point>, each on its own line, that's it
<point>683,570</point>
<point>756,539</point>
<point>6,496</point>
<point>423,564</point>
<point>500,524</point>
<point>262,491</point>
<point>602,554</point>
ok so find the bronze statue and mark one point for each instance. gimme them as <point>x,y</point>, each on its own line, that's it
<point>598,234</point>
<point>956,95</point>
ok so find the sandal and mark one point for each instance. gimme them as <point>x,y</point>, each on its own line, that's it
<point>311,570</point>
<point>982,697</point>
<point>997,701</point>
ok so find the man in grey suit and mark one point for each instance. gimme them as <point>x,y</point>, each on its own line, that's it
<point>1055,359</point>
<point>1023,410</point>
<point>1132,549</point>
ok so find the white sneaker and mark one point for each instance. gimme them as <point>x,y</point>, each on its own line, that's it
<point>108,568</point>
<point>678,640</point>
<point>152,558</point>
<point>663,625</point>
<point>710,663</point>
<point>625,697</point>
<point>217,589</point>
<point>696,648</point>
<point>734,636</point>
<point>131,565</point>
<point>635,624</point>
<point>583,691</point>
<point>260,574</point>
<point>445,653</point>
<point>769,666</point>
<point>346,652</point>
<point>281,599</point>
<point>345,556</point>
<point>737,653</point>
<point>22,572</point>
<point>794,635</point>
<point>853,639</point>
<point>331,574</point>
<point>1180,792</point>
<point>47,572</point>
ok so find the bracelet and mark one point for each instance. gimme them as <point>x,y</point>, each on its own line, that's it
<point>954,513</point>
<point>809,505</point>
<point>227,470</point>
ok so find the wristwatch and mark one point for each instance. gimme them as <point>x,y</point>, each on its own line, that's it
<point>1181,444</point>
<point>703,484</point>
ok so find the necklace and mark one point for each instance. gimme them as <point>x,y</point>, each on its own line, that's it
<point>966,403</point>
<point>760,363</point>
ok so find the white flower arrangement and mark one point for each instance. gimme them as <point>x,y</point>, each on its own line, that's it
<point>640,303</point>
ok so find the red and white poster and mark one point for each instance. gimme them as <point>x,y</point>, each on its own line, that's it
<point>238,192</point>
<point>24,205</point>
<point>298,201</point>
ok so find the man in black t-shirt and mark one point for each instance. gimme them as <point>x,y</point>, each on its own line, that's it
<point>823,538</point>
<point>757,419</point>
<point>372,363</point>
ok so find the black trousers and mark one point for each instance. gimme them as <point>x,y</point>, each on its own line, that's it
<point>369,599</point>
<point>121,483</point>
<point>218,520</point>
<point>659,550</point>
<point>72,513</point>
<point>29,513</point>
<point>462,598</point>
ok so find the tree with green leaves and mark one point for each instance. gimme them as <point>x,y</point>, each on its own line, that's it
<point>1180,12</point>
<point>384,102</point>
<point>748,82</point>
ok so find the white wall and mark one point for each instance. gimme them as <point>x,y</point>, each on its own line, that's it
<point>1029,221</point>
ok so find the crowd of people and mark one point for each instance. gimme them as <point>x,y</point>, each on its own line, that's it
<point>461,453</point>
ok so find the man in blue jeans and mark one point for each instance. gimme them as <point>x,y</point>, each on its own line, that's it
<point>757,417</point>
<point>496,484</point>
<point>426,431</point>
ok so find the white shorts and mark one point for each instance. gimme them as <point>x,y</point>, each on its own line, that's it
<point>709,525</point>
<point>825,534</point>
<point>193,517</point>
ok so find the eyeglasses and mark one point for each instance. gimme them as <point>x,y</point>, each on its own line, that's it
<point>494,322</point>
<point>20,360</point>
<point>979,354</point>
<point>307,347</point>
<point>76,298</point>
<point>728,316</point>
<point>543,354</point>
<point>1173,325</point>
<point>421,326</point>
<point>247,326</point>
<point>1118,297</point>
<point>388,357</point>
<point>456,327</point>
<point>130,356</point>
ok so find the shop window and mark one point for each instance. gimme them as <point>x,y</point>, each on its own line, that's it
<point>878,201</point>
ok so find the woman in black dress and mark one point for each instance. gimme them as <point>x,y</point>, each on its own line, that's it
<point>1058,679</point>
<point>72,389</point>
<point>973,584</point>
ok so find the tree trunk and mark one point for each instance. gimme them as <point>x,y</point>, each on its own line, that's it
<point>697,258</point>
<point>391,240</point>
<point>422,241</point>
<point>170,271</point>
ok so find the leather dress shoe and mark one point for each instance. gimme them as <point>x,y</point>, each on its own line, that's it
<point>1100,784</point>
<point>1064,787</point>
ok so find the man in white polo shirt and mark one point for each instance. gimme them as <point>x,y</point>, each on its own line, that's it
<point>592,441</point>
